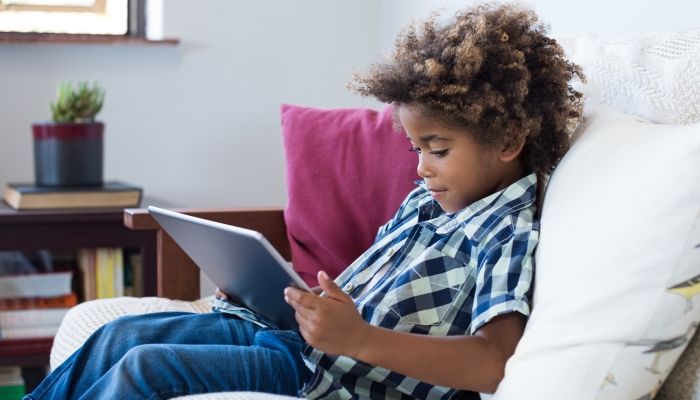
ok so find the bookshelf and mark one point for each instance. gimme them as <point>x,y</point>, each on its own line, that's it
<point>70,230</point>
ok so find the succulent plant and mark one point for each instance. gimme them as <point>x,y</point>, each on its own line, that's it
<point>80,105</point>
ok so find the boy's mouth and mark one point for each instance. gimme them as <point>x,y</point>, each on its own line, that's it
<point>437,193</point>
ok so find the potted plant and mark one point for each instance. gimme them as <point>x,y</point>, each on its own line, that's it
<point>69,150</point>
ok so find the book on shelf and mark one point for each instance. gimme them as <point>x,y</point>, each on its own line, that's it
<point>86,265</point>
<point>111,194</point>
<point>11,383</point>
<point>17,347</point>
<point>31,318</point>
<point>45,284</point>
<point>118,266</point>
<point>133,283</point>
<point>36,292</point>
<point>110,272</point>
<point>31,323</point>
<point>27,333</point>
<point>104,273</point>
<point>68,300</point>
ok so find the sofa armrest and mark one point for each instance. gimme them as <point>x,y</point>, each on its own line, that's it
<point>177,275</point>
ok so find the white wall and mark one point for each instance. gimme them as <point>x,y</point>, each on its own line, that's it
<point>197,124</point>
<point>602,16</point>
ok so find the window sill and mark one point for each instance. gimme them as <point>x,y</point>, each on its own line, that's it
<point>64,38</point>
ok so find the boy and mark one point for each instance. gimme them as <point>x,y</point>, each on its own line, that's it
<point>485,102</point>
<point>437,305</point>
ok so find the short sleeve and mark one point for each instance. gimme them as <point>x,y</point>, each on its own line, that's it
<point>504,279</point>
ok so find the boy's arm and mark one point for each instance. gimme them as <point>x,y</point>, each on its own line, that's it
<point>476,363</point>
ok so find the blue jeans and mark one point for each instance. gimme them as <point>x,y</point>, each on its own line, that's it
<point>170,354</point>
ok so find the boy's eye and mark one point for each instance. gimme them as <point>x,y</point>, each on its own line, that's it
<point>416,149</point>
<point>440,153</point>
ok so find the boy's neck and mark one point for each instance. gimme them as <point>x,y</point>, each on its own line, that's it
<point>511,173</point>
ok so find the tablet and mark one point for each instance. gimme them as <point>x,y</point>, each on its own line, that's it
<point>241,262</point>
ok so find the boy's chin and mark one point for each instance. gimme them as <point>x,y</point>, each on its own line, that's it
<point>448,209</point>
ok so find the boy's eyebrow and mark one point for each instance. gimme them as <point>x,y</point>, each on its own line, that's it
<point>431,138</point>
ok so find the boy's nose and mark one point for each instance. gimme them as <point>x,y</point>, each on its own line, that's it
<point>423,169</point>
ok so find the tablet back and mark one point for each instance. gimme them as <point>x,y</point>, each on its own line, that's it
<point>241,262</point>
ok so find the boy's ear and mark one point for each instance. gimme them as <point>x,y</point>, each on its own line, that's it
<point>512,148</point>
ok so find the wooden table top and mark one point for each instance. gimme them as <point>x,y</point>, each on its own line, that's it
<point>9,215</point>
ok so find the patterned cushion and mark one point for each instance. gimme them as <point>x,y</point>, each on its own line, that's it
<point>653,75</point>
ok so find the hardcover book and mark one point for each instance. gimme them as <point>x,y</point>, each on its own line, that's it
<point>11,383</point>
<point>31,332</point>
<point>86,264</point>
<point>104,273</point>
<point>109,195</point>
<point>24,346</point>
<point>47,284</point>
<point>35,318</point>
<point>25,303</point>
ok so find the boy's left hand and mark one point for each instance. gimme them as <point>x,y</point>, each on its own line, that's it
<point>331,324</point>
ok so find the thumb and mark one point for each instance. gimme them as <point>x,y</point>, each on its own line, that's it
<point>332,290</point>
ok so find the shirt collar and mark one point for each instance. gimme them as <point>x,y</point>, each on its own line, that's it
<point>517,196</point>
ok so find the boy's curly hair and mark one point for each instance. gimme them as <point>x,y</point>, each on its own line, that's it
<point>490,70</point>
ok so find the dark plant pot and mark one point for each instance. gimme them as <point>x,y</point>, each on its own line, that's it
<point>68,154</point>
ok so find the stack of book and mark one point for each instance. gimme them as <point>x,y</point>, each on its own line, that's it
<point>33,305</point>
<point>110,272</point>
<point>11,383</point>
<point>19,324</point>
<point>111,194</point>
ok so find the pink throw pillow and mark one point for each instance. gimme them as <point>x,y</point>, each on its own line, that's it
<point>347,173</point>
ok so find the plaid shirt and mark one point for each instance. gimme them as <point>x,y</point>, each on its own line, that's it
<point>448,275</point>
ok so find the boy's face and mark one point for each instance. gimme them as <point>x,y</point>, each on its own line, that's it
<point>457,170</point>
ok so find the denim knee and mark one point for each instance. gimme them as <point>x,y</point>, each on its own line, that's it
<point>134,329</point>
<point>145,371</point>
<point>146,358</point>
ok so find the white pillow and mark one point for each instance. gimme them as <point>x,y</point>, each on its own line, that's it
<point>619,230</point>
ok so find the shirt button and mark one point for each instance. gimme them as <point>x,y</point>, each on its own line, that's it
<point>349,287</point>
<point>390,252</point>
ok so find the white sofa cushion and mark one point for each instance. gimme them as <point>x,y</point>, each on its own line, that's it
<point>618,248</point>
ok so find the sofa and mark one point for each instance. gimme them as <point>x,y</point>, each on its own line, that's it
<point>654,78</point>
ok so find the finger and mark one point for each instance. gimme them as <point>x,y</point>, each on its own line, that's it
<point>308,300</point>
<point>304,333</point>
<point>332,290</point>
<point>220,295</point>
<point>305,326</point>
<point>300,309</point>
<point>302,320</point>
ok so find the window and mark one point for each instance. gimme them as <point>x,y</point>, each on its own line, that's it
<point>98,17</point>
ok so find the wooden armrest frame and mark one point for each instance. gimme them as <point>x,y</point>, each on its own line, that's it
<point>177,275</point>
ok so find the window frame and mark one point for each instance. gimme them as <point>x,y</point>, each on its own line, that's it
<point>135,34</point>
<point>98,8</point>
